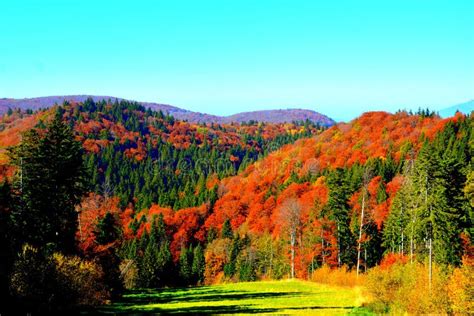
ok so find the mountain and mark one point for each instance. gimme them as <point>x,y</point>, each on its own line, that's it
<point>269,116</point>
<point>280,116</point>
<point>251,201</point>
<point>466,108</point>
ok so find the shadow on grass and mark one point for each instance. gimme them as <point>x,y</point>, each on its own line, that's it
<point>136,302</point>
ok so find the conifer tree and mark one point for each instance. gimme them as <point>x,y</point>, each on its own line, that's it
<point>49,184</point>
<point>199,264</point>
<point>226,231</point>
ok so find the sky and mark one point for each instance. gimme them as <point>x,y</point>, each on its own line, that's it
<point>340,57</point>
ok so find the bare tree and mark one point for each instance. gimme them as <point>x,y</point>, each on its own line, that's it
<point>365,183</point>
<point>290,213</point>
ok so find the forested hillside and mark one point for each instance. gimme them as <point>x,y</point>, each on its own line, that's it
<point>146,200</point>
<point>268,116</point>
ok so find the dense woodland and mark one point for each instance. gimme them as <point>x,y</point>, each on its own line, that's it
<point>98,197</point>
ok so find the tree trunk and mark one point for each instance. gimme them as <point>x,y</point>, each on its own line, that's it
<point>338,247</point>
<point>359,242</point>
<point>293,241</point>
<point>430,273</point>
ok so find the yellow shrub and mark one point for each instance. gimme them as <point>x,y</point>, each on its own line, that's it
<point>129,273</point>
<point>405,288</point>
<point>339,277</point>
<point>80,280</point>
<point>44,281</point>
<point>461,290</point>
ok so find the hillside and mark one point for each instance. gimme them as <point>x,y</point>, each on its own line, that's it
<point>147,140</point>
<point>322,179</point>
<point>166,202</point>
<point>280,116</point>
<point>270,116</point>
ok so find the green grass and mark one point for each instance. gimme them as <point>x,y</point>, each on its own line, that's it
<point>269,297</point>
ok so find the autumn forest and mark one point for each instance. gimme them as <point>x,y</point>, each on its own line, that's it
<point>98,198</point>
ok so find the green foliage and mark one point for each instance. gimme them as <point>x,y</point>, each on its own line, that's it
<point>107,229</point>
<point>170,173</point>
<point>49,185</point>
<point>431,205</point>
<point>155,267</point>
<point>337,209</point>
<point>185,265</point>
<point>226,231</point>
<point>199,265</point>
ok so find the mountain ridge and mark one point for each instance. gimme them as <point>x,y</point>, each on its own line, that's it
<point>267,116</point>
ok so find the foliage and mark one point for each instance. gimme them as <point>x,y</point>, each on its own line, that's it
<point>461,289</point>
<point>80,282</point>
<point>44,281</point>
<point>48,186</point>
<point>404,288</point>
<point>177,203</point>
<point>337,277</point>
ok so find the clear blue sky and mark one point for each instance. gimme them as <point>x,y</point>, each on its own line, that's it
<point>337,57</point>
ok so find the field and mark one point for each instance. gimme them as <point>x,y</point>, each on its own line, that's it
<point>269,297</point>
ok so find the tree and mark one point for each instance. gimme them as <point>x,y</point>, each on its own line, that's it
<point>290,212</point>
<point>469,193</point>
<point>106,230</point>
<point>365,182</point>
<point>155,268</point>
<point>337,210</point>
<point>185,265</point>
<point>199,264</point>
<point>226,231</point>
<point>50,182</point>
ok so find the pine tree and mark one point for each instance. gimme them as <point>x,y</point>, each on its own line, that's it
<point>185,265</point>
<point>106,230</point>
<point>49,185</point>
<point>338,210</point>
<point>155,268</point>
<point>199,264</point>
<point>226,231</point>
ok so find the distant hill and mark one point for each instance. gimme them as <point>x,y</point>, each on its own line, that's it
<point>270,116</point>
<point>465,108</point>
<point>280,116</point>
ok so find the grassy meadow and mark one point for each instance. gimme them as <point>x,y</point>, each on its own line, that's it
<point>293,297</point>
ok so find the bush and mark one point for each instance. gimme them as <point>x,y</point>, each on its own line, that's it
<point>45,282</point>
<point>129,273</point>
<point>79,282</point>
<point>461,289</point>
<point>338,277</point>
<point>405,288</point>
<point>32,279</point>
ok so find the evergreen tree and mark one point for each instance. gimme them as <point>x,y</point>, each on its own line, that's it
<point>107,229</point>
<point>199,264</point>
<point>337,209</point>
<point>185,265</point>
<point>226,231</point>
<point>49,185</point>
<point>155,268</point>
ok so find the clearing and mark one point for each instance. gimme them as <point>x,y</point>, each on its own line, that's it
<point>267,297</point>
